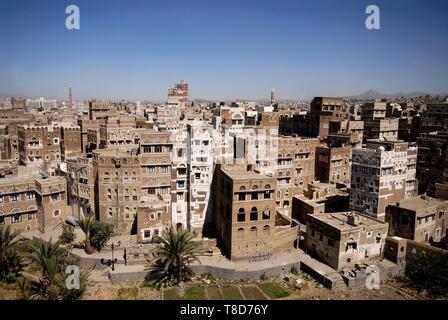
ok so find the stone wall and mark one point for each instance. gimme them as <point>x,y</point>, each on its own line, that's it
<point>216,272</point>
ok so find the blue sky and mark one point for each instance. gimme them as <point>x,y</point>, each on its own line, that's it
<point>135,49</point>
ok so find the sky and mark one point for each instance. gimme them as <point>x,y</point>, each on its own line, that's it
<point>136,49</point>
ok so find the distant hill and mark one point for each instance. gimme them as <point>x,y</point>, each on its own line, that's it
<point>372,95</point>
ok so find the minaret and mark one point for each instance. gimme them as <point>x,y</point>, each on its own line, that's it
<point>70,101</point>
<point>273,96</point>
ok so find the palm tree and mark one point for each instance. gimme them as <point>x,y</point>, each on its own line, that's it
<point>176,251</point>
<point>8,238</point>
<point>52,258</point>
<point>84,223</point>
<point>11,260</point>
<point>48,255</point>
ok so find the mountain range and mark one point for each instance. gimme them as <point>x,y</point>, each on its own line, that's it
<point>372,95</point>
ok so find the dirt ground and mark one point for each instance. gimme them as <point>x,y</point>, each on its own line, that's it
<point>100,288</point>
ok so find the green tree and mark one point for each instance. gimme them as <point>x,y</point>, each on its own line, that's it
<point>85,223</point>
<point>52,259</point>
<point>100,233</point>
<point>45,253</point>
<point>173,255</point>
<point>11,259</point>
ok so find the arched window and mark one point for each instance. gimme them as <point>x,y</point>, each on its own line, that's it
<point>241,215</point>
<point>253,214</point>
<point>240,233</point>
<point>253,231</point>
<point>266,230</point>
<point>242,188</point>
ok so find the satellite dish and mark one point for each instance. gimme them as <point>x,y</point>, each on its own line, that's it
<point>71,220</point>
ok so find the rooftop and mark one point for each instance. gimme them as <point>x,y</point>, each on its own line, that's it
<point>346,220</point>
<point>420,203</point>
<point>245,175</point>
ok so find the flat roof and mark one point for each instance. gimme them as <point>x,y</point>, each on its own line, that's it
<point>419,203</point>
<point>340,220</point>
<point>245,175</point>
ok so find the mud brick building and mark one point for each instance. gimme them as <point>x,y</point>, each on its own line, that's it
<point>432,164</point>
<point>125,174</point>
<point>333,164</point>
<point>153,217</point>
<point>32,202</point>
<point>345,239</point>
<point>382,174</point>
<point>40,146</point>
<point>316,123</point>
<point>319,198</point>
<point>246,220</point>
<point>81,186</point>
<point>435,118</point>
<point>295,169</point>
<point>420,218</point>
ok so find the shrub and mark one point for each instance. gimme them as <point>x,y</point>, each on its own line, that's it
<point>428,272</point>
<point>68,235</point>
<point>100,233</point>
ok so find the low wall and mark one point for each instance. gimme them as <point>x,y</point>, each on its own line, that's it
<point>242,274</point>
<point>91,262</point>
<point>385,273</point>
<point>319,277</point>
<point>217,272</point>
